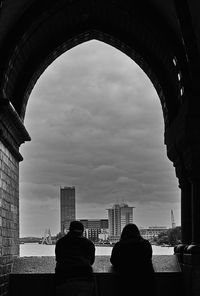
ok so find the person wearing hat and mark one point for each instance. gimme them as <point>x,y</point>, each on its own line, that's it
<point>75,255</point>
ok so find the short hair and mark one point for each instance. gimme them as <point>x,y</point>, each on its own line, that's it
<point>76,226</point>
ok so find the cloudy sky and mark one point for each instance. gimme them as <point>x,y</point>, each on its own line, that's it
<point>96,123</point>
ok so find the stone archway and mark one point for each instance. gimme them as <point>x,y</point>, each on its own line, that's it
<point>41,32</point>
<point>47,32</point>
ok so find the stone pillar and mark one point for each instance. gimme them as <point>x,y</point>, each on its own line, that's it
<point>196,212</point>
<point>186,211</point>
<point>12,135</point>
<point>190,252</point>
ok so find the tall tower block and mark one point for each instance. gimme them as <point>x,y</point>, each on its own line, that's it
<point>67,207</point>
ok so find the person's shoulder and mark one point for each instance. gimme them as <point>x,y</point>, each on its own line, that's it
<point>146,242</point>
<point>118,244</point>
<point>89,241</point>
<point>86,240</point>
<point>61,240</point>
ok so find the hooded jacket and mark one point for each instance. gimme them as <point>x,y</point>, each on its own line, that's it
<point>74,256</point>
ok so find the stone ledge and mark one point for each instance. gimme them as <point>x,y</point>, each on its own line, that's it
<point>12,130</point>
<point>46,264</point>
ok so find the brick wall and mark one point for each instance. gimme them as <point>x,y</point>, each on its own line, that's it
<point>12,135</point>
<point>9,214</point>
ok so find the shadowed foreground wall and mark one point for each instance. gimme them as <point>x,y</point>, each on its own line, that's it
<point>35,276</point>
<point>9,213</point>
<point>43,284</point>
<point>12,134</point>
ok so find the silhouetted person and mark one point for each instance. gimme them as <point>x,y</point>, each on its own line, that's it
<point>75,255</point>
<point>131,258</point>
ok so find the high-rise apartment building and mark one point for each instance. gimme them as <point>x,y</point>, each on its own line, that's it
<point>119,216</point>
<point>67,207</point>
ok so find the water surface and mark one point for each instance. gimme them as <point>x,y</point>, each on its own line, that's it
<point>36,249</point>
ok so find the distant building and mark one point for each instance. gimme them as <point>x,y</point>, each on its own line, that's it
<point>67,207</point>
<point>152,231</point>
<point>93,228</point>
<point>118,216</point>
<point>104,236</point>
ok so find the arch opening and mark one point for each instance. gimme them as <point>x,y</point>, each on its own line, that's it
<point>107,114</point>
<point>49,32</point>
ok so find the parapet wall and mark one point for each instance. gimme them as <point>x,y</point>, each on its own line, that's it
<point>46,264</point>
<point>35,276</point>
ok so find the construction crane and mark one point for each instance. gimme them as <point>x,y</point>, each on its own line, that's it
<point>172,220</point>
<point>47,237</point>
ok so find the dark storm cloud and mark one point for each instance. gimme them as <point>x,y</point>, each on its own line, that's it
<point>96,123</point>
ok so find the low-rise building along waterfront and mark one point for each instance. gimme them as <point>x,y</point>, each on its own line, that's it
<point>152,231</point>
<point>95,229</point>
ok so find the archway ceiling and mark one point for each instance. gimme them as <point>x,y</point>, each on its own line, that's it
<point>12,10</point>
<point>173,14</point>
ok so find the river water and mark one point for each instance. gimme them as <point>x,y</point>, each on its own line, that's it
<point>35,249</point>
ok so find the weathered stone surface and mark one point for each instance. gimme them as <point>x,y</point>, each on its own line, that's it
<point>12,134</point>
<point>46,264</point>
<point>9,212</point>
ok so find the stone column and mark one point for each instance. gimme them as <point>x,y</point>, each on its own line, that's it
<point>191,258</point>
<point>186,211</point>
<point>12,135</point>
<point>191,255</point>
<point>196,212</point>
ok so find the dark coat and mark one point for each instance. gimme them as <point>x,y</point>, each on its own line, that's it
<point>74,256</point>
<point>132,262</point>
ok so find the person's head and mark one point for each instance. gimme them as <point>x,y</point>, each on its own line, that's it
<point>76,227</point>
<point>130,231</point>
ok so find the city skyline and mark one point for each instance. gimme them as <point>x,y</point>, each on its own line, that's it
<point>96,123</point>
<point>171,224</point>
<point>106,216</point>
